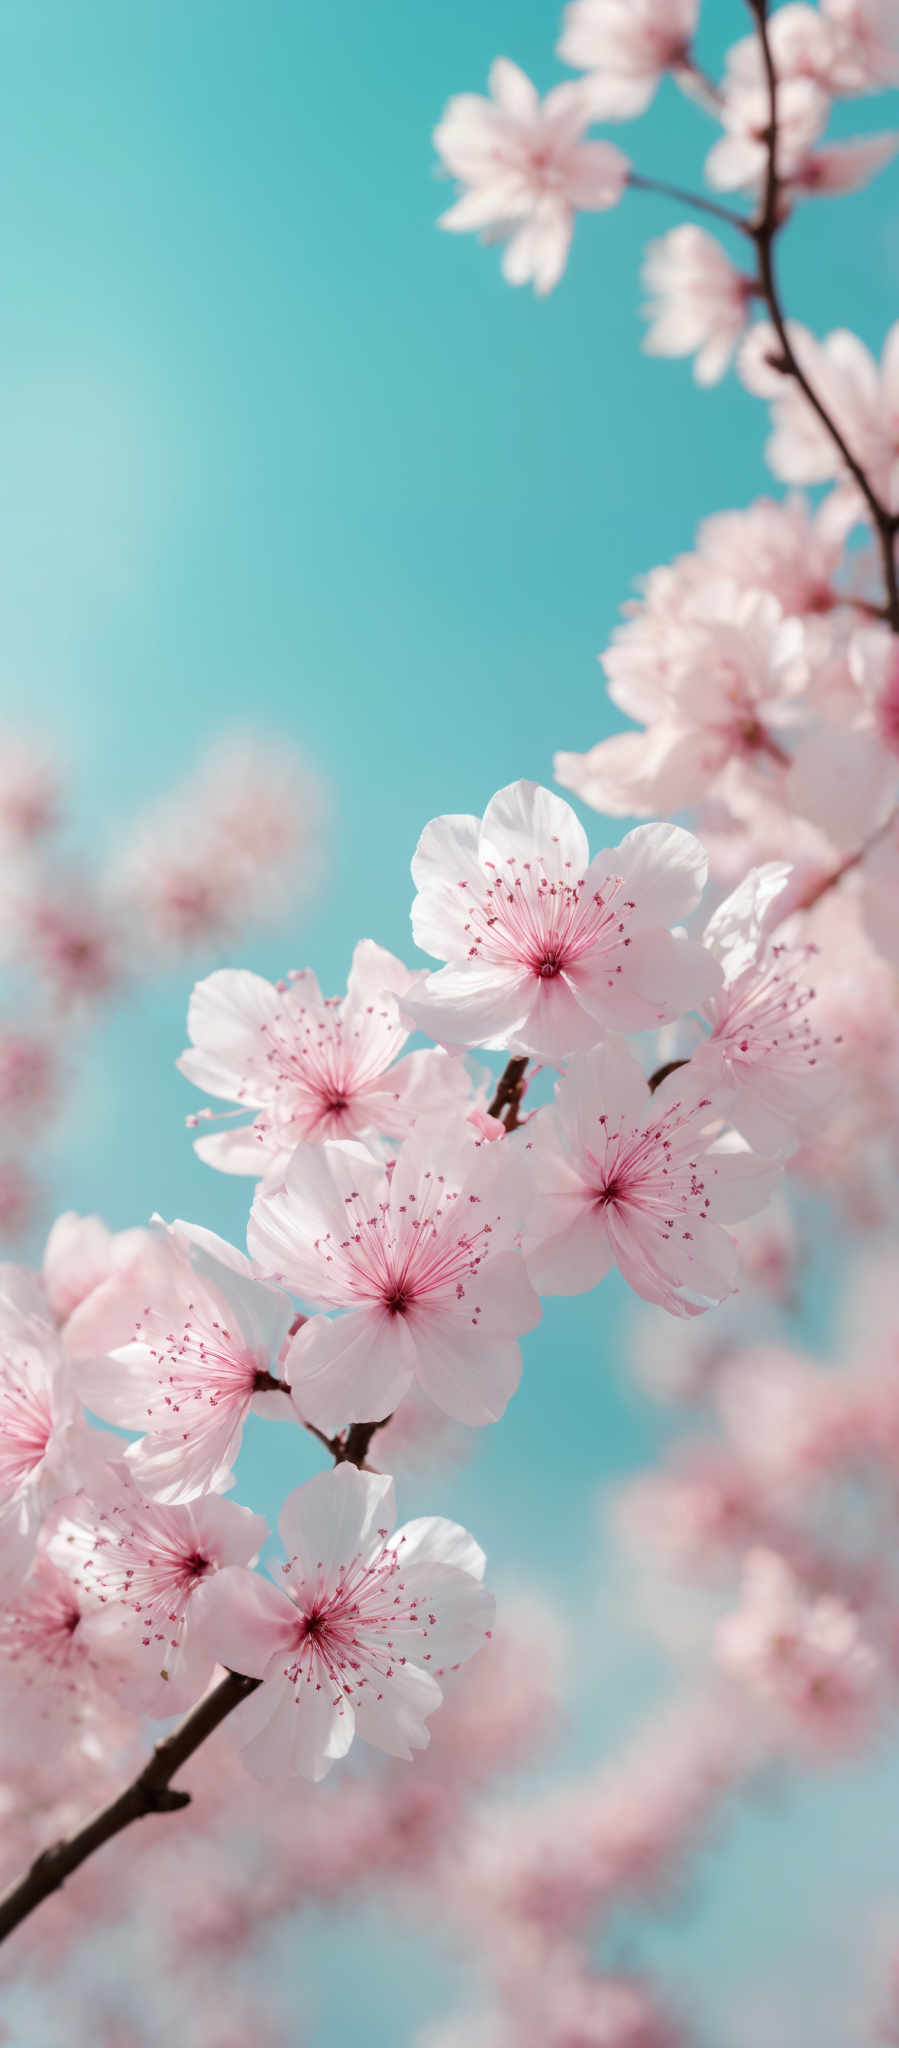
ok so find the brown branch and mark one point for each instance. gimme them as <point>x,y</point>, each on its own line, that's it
<point>150,1792</point>
<point>696,200</point>
<point>764,231</point>
<point>509,1091</point>
<point>661,1073</point>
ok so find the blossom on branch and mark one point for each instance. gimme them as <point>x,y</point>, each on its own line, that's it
<point>546,948</point>
<point>420,1255</point>
<point>699,300</point>
<point>360,1633</point>
<point>623,1177</point>
<point>527,171</point>
<point>626,46</point>
<point>311,1067</point>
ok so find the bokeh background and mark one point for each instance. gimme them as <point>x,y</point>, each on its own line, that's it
<point>272,450</point>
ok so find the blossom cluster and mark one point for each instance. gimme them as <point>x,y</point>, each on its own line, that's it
<point>224,851</point>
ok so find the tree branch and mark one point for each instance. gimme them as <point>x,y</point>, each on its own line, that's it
<point>695,200</point>
<point>509,1091</point>
<point>152,1790</point>
<point>764,231</point>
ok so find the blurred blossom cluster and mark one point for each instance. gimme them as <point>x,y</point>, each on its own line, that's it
<point>708,1009</point>
<point>227,849</point>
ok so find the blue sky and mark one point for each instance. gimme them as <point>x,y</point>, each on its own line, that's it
<point>274,449</point>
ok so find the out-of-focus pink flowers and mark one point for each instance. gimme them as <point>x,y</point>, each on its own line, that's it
<point>311,1067</point>
<point>806,1654</point>
<point>421,1258</point>
<point>739,159</point>
<point>625,1178</point>
<point>860,395</point>
<point>526,170</point>
<point>699,300</point>
<point>626,46</point>
<point>358,1634</point>
<point>232,846</point>
<point>546,948</point>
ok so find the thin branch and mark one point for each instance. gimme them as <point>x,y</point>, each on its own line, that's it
<point>509,1091</point>
<point>661,1073</point>
<point>764,231</point>
<point>150,1792</point>
<point>692,199</point>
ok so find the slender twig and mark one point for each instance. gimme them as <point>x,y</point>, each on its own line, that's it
<point>764,231</point>
<point>661,1073</point>
<point>509,1091</point>
<point>150,1792</point>
<point>692,199</point>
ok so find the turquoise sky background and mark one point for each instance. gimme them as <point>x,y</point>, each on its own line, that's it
<point>272,449</point>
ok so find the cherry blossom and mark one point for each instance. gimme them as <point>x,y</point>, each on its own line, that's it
<point>526,170</point>
<point>311,1067</point>
<point>43,1434</point>
<point>626,46</point>
<point>837,167</point>
<point>622,1177</point>
<point>79,1254</point>
<point>712,671</point>
<point>546,947</point>
<point>137,1566</point>
<point>806,1654</point>
<point>861,397</point>
<point>180,1344</point>
<point>230,846</point>
<point>739,159</point>
<point>763,1045</point>
<point>421,1257</point>
<point>29,790</point>
<point>359,1632</point>
<point>55,1667</point>
<point>699,301</point>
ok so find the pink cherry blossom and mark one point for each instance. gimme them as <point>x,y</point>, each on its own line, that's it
<point>699,301</point>
<point>526,170</point>
<point>29,1077</point>
<point>626,46</point>
<point>29,790</point>
<point>764,1045</point>
<point>712,672</point>
<point>54,1665</point>
<point>805,1653</point>
<point>739,159</point>
<point>138,1565</point>
<point>622,1177</point>
<point>864,38</point>
<point>546,948</point>
<point>43,1434</point>
<point>311,1067</point>
<point>838,167</point>
<point>359,1632</point>
<point>784,547</point>
<point>420,1255</point>
<point>79,1254</point>
<point>179,1344</point>
<point>861,397</point>
<point>231,845</point>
